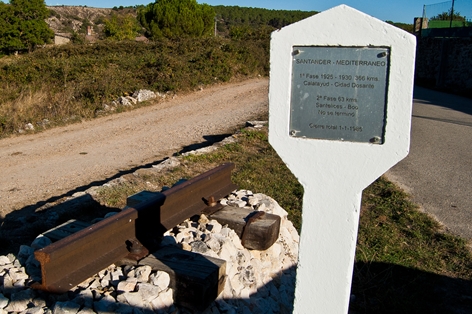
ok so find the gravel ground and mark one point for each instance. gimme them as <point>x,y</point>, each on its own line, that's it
<point>39,168</point>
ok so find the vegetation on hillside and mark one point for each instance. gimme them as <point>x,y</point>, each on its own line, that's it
<point>404,26</point>
<point>73,82</point>
<point>62,84</point>
<point>231,18</point>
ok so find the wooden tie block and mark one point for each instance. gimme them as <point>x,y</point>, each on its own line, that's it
<point>256,229</point>
<point>197,280</point>
<point>65,229</point>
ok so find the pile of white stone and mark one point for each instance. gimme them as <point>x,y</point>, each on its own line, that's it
<point>129,101</point>
<point>122,101</point>
<point>256,282</point>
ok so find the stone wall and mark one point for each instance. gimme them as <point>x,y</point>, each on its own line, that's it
<point>445,63</point>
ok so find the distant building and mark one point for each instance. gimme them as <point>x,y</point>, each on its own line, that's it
<point>62,38</point>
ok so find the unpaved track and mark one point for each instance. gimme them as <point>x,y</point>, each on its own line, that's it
<point>40,167</point>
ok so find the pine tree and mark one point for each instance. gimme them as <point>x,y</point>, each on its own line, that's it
<point>177,18</point>
<point>22,25</point>
<point>121,27</point>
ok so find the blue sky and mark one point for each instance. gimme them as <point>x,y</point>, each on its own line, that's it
<point>395,10</point>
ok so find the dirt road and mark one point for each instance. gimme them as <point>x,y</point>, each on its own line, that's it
<point>40,167</point>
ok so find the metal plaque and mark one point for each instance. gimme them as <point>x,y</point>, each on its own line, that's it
<point>339,93</point>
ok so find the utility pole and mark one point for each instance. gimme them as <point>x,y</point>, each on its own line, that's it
<point>452,14</point>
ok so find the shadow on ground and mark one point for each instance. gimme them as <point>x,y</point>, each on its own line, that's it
<point>25,224</point>
<point>435,98</point>
<point>377,288</point>
<point>388,288</point>
<point>265,300</point>
<point>209,140</point>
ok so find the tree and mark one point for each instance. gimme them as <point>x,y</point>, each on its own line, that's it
<point>22,26</point>
<point>446,16</point>
<point>177,18</point>
<point>121,27</point>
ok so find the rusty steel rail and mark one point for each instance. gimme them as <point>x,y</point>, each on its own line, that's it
<point>131,233</point>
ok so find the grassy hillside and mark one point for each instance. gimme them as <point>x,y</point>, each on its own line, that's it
<point>72,82</point>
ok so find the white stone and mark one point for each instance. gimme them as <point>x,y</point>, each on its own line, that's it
<point>17,274</point>
<point>144,95</point>
<point>228,252</point>
<point>128,285</point>
<point>20,283</point>
<point>25,251</point>
<point>168,240</point>
<point>11,257</point>
<point>148,291</point>
<point>142,273</point>
<point>236,241</point>
<point>213,244</point>
<point>199,247</point>
<point>245,293</point>
<point>105,281</point>
<point>126,309</point>
<point>132,100</point>
<point>261,207</point>
<point>87,310</point>
<point>186,247</point>
<point>3,301</point>
<point>274,292</point>
<point>237,286</point>
<point>216,226</point>
<point>4,260</point>
<point>40,242</point>
<point>105,305</point>
<point>211,253</point>
<point>275,251</point>
<point>32,262</point>
<point>238,203</point>
<point>169,163</point>
<point>95,284</point>
<point>33,310</point>
<point>85,298</point>
<point>161,279</point>
<point>131,298</point>
<point>124,101</point>
<point>164,300</point>
<point>183,237</point>
<point>227,291</point>
<point>277,210</point>
<point>102,273</point>
<point>117,274</point>
<point>253,201</point>
<point>19,301</point>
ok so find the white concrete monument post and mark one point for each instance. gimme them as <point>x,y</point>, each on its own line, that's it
<point>341,85</point>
